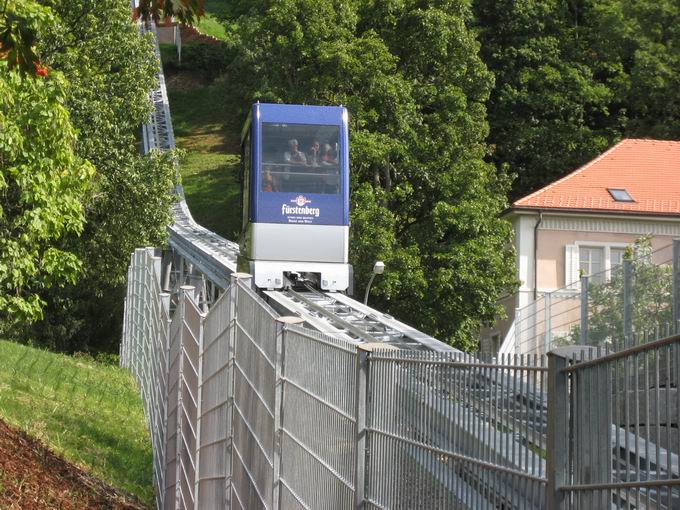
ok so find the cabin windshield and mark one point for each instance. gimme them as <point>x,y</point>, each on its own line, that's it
<point>300,158</point>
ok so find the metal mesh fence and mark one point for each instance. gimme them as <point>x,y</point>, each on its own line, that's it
<point>450,431</point>
<point>215,387</point>
<point>248,410</point>
<point>318,446</point>
<point>610,309</point>
<point>253,407</point>
<point>616,430</point>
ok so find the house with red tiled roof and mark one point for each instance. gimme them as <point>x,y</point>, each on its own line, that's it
<point>582,224</point>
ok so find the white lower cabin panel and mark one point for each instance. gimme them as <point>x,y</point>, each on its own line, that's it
<point>275,248</point>
<point>298,243</point>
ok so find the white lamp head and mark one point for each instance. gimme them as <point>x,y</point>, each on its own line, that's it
<point>379,267</point>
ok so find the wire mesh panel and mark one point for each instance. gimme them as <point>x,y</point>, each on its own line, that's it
<point>450,431</point>
<point>169,499</point>
<point>318,425</point>
<point>214,394</point>
<point>253,416</point>
<point>159,423</point>
<point>623,427</point>
<point>144,350</point>
<point>192,330</point>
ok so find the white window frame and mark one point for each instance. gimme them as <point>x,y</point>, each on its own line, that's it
<point>607,246</point>
<point>607,251</point>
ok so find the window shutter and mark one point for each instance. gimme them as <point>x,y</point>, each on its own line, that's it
<point>571,272</point>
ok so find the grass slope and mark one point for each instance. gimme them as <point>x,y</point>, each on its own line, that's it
<point>210,25</point>
<point>210,169</point>
<point>87,412</point>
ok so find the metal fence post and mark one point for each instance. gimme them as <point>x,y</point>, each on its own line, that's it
<point>281,328</point>
<point>558,432</point>
<point>584,310</point>
<point>184,292</point>
<point>199,411</point>
<point>233,301</point>
<point>165,345</point>
<point>627,303</point>
<point>547,309</point>
<point>676,284</point>
<point>361,414</point>
<point>137,311</point>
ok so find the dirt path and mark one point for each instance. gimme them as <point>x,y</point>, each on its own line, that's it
<point>32,477</point>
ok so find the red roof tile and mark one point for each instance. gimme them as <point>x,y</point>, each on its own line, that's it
<point>649,170</point>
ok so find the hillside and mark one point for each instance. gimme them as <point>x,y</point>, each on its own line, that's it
<point>88,412</point>
<point>31,476</point>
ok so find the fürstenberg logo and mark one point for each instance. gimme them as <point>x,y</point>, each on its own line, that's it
<point>300,207</point>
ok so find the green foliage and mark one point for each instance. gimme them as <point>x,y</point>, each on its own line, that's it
<point>42,185</point>
<point>207,60</point>
<point>423,198</point>
<point>186,11</point>
<point>574,77</point>
<point>87,411</point>
<point>20,23</point>
<point>110,69</point>
<point>545,107</point>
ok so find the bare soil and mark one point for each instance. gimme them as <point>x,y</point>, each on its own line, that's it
<point>34,478</point>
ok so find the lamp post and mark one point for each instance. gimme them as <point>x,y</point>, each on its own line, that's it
<point>378,268</point>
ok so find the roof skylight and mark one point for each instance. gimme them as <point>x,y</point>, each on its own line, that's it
<point>620,195</point>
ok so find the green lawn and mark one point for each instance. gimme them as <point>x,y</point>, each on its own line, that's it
<point>210,25</point>
<point>210,169</point>
<point>88,412</point>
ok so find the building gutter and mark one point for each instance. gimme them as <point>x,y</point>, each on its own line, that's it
<point>538,224</point>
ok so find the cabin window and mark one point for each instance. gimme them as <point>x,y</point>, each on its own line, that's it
<point>300,158</point>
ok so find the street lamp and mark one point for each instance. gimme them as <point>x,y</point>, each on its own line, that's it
<point>378,268</point>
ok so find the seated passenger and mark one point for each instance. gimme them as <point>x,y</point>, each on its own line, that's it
<point>293,154</point>
<point>328,156</point>
<point>314,154</point>
<point>268,180</point>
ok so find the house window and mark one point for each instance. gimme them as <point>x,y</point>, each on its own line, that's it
<point>596,260</point>
<point>591,263</point>
<point>616,256</point>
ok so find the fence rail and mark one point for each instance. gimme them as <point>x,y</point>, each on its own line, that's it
<point>250,410</point>
<point>621,450</point>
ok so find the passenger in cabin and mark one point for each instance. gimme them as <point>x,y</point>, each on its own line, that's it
<point>328,155</point>
<point>314,154</point>
<point>268,180</point>
<point>294,155</point>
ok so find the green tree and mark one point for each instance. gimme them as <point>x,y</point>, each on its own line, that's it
<point>423,198</point>
<point>110,68</point>
<point>633,48</point>
<point>574,77</point>
<point>42,187</point>
<point>186,11</point>
<point>548,112</point>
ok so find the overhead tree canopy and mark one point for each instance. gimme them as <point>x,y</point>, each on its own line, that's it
<point>572,78</point>
<point>186,11</point>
